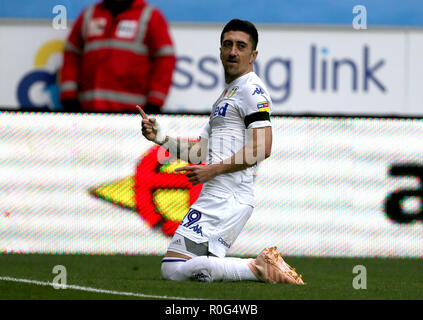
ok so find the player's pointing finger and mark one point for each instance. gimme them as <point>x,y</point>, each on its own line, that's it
<point>143,115</point>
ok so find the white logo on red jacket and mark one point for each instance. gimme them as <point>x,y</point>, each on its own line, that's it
<point>96,26</point>
<point>126,29</point>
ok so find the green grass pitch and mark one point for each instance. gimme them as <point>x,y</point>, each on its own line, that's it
<point>327,279</point>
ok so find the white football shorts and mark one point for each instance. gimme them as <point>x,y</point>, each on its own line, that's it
<point>215,222</point>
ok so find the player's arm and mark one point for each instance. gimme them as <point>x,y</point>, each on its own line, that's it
<point>255,151</point>
<point>186,150</point>
<point>258,149</point>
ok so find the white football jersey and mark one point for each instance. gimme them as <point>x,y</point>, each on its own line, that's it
<point>226,202</point>
<point>244,104</point>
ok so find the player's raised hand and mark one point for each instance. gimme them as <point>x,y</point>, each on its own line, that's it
<point>147,125</point>
<point>150,128</point>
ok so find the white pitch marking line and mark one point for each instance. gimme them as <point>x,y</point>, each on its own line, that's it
<point>89,289</point>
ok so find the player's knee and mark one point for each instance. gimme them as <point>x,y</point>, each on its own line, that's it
<point>171,271</point>
<point>200,262</point>
<point>199,268</point>
<point>166,271</point>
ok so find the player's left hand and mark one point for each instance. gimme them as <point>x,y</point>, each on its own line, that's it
<point>198,174</point>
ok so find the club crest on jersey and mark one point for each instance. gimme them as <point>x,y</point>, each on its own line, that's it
<point>220,110</point>
<point>233,91</point>
<point>258,91</point>
<point>263,106</point>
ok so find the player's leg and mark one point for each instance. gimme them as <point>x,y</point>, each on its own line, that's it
<point>180,250</point>
<point>206,261</point>
<point>269,266</point>
<point>170,267</point>
<point>232,216</point>
<point>187,260</point>
<point>212,268</point>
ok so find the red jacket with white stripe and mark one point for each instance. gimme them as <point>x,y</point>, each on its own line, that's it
<point>113,63</point>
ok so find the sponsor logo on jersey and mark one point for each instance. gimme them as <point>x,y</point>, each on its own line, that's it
<point>263,106</point>
<point>258,91</point>
<point>233,91</point>
<point>220,111</point>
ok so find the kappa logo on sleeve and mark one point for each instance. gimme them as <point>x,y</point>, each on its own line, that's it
<point>263,106</point>
<point>258,91</point>
<point>160,195</point>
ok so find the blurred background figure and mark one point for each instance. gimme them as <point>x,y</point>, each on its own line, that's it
<point>119,54</point>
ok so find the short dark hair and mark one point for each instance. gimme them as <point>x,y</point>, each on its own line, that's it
<point>242,25</point>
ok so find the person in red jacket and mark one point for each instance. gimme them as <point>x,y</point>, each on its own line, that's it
<point>119,53</point>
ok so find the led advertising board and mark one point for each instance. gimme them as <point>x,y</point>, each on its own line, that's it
<point>92,184</point>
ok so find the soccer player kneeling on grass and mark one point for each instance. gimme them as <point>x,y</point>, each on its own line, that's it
<point>236,138</point>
